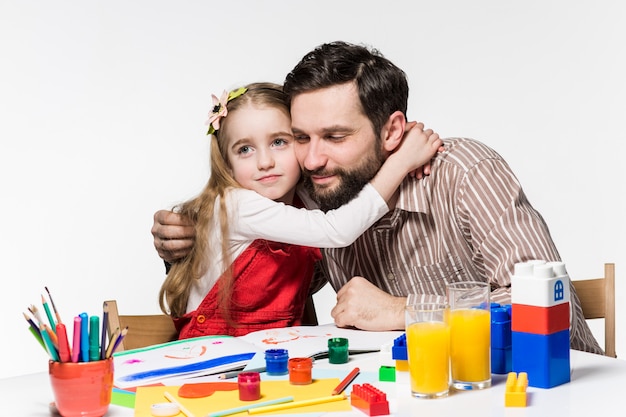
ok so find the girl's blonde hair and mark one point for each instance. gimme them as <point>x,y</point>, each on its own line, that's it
<point>174,292</point>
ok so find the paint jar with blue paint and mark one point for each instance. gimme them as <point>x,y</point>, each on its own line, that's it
<point>276,361</point>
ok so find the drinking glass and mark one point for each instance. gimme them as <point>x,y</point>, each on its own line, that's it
<point>428,348</point>
<point>470,334</point>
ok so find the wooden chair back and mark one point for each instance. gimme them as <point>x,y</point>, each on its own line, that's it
<point>597,297</point>
<point>143,330</point>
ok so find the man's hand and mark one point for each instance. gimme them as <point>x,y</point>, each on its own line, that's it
<point>362,305</point>
<point>174,235</point>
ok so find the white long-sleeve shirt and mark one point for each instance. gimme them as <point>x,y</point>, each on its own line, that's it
<point>253,216</point>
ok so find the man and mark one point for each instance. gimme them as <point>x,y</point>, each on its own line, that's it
<point>468,220</point>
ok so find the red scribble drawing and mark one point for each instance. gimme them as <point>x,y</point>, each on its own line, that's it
<point>186,352</point>
<point>277,337</point>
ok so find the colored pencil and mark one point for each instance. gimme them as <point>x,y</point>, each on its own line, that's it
<point>112,341</point>
<point>118,340</point>
<point>235,374</point>
<point>54,307</point>
<point>103,340</point>
<point>32,323</point>
<point>53,325</point>
<point>38,337</point>
<point>34,330</point>
<point>249,407</point>
<point>52,334</point>
<point>52,351</point>
<point>346,381</point>
<point>35,312</point>
<point>171,398</point>
<point>312,401</point>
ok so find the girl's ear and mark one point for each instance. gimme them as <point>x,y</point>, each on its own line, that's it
<point>393,131</point>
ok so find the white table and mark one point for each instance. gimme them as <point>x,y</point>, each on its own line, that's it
<point>596,388</point>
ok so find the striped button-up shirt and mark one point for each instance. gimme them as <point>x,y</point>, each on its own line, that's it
<point>468,221</point>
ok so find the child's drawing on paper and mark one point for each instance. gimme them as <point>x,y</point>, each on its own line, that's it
<point>276,337</point>
<point>181,351</point>
<point>182,358</point>
<point>187,352</point>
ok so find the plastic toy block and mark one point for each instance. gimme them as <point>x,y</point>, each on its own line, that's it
<point>387,373</point>
<point>501,344</point>
<point>542,285</point>
<point>398,350</point>
<point>545,358</point>
<point>400,354</point>
<point>515,391</point>
<point>501,361</point>
<point>369,400</point>
<point>402,366</point>
<point>540,320</point>
<point>500,327</point>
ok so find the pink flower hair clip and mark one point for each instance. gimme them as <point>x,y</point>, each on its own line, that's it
<point>219,108</point>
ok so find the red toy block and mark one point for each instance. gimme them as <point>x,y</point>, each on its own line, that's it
<point>369,399</point>
<point>539,320</point>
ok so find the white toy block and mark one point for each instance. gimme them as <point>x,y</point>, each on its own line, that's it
<point>540,283</point>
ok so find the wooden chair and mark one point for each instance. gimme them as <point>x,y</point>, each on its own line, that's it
<point>143,330</point>
<point>597,297</point>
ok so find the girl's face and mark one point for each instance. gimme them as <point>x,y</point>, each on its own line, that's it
<point>260,151</point>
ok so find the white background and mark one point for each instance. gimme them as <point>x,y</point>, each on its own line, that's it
<point>103,105</point>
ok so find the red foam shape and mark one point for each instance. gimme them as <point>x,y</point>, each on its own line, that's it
<point>204,389</point>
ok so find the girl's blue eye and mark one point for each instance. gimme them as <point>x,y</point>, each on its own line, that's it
<point>244,149</point>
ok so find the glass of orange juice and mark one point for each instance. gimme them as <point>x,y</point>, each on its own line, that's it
<point>428,348</point>
<point>470,334</point>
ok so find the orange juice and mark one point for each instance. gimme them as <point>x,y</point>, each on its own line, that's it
<point>428,345</point>
<point>470,344</point>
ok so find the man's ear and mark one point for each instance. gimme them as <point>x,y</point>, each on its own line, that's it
<point>393,131</point>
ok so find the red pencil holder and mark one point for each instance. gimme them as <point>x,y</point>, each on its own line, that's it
<point>82,389</point>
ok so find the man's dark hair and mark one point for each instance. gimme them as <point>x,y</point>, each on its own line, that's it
<point>382,86</point>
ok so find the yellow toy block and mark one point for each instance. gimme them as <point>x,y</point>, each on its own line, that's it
<point>402,365</point>
<point>515,392</point>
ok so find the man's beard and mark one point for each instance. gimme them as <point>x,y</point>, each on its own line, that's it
<point>350,184</point>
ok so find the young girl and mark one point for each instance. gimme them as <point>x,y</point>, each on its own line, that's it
<point>238,278</point>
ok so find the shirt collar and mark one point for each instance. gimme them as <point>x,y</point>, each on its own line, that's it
<point>414,195</point>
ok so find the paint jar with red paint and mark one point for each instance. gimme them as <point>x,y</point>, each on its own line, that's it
<point>249,386</point>
<point>300,371</point>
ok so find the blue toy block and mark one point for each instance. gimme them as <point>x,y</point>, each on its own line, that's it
<point>545,358</point>
<point>500,327</point>
<point>501,343</point>
<point>501,361</point>
<point>398,350</point>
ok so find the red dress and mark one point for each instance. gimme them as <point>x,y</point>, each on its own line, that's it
<point>271,285</point>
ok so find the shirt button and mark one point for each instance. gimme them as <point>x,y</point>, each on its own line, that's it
<point>391,276</point>
<point>200,319</point>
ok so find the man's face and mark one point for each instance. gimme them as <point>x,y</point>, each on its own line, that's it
<point>335,144</point>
